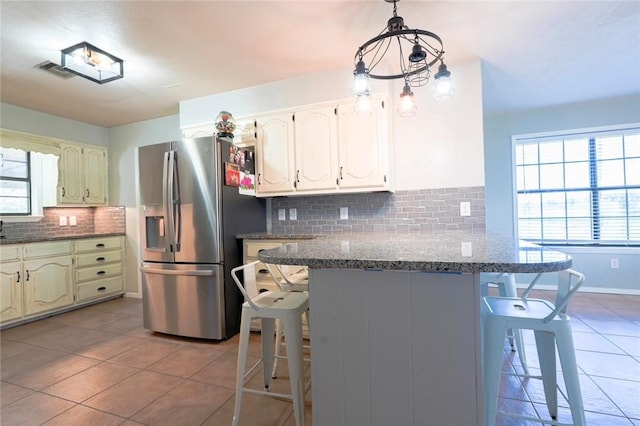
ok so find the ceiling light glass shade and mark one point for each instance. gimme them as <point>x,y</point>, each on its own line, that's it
<point>364,103</point>
<point>443,85</point>
<point>361,80</point>
<point>92,63</point>
<point>414,50</point>
<point>407,106</point>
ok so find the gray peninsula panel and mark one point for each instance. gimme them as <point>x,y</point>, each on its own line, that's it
<point>461,252</point>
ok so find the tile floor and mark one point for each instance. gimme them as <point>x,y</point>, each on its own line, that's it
<point>98,365</point>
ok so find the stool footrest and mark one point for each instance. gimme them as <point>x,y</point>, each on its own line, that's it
<point>535,419</point>
<point>273,394</point>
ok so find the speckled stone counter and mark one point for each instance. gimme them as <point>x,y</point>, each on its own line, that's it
<point>445,252</point>
<point>395,323</point>
<point>27,240</point>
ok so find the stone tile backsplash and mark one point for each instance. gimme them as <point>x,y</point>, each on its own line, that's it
<point>89,220</point>
<point>423,210</point>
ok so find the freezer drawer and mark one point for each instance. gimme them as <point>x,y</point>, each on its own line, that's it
<point>184,300</point>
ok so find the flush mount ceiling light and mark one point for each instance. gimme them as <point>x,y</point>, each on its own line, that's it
<point>92,63</point>
<point>417,51</point>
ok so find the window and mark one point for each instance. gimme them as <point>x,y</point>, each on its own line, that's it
<point>15,182</point>
<point>579,187</point>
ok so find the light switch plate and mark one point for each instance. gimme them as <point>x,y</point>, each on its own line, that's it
<point>344,213</point>
<point>73,221</point>
<point>465,208</point>
<point>282,214</point>
<point>293,214</point>
<point>63,221</point>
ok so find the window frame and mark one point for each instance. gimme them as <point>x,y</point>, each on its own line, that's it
<point>591,134</point>
<point>26,179</point>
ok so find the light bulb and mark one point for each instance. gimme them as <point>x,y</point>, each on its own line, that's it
<point>407,105</point>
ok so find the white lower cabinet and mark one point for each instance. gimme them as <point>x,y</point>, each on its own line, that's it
<point>99,267</point>
<point>39,279</point>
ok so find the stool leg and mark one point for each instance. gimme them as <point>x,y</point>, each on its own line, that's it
<point>545,343</point>
<point>274,373</point>
<point>245,330</point>
<point>268,328</point>
<point>517,335</point>
<point>567,355</point>
<point>494,332</point>
<point>293,342</point>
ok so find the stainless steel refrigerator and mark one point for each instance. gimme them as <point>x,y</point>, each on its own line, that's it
<point>189,223</point>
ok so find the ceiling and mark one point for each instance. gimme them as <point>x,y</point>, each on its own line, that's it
<point>535,53</point>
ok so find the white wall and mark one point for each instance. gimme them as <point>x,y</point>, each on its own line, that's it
<point>499,128</point>
<point>442,138</point>
<point>38,123</point>
<point>123,177</point>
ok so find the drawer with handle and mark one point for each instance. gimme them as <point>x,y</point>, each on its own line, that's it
<point>253,248</point>
<point>101,288</point>
<point>93,259</point>
<point>94,244</point>
<point>98,272</point>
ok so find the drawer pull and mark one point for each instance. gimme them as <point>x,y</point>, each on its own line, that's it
<point>262,271</point>
<point>100,245</point>
<point>100,259</point>
<point>102,288</point>
<point>100,273</point>
<point>18,276</point>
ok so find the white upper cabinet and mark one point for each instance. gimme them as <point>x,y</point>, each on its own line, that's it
<point>316,147</point>
<point>275,154</point>
<point>324,149</point>
<point>365,160</point>
<point>82,175</point>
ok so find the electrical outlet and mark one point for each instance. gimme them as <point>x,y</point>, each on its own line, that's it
<point>73,221</point>
<point>465,208</point>
<point>614,263</point>
<point>282,214</point>
<point>344,213</point>
<point>293,214</point>
<point>63,221</point>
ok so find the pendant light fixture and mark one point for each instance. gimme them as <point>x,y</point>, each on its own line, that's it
<point>417,51</point>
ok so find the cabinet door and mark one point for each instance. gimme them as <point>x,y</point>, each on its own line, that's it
<point>275,154</point>
<point>316,148</point>
<point>47,284</point>
<point>70,171</point>
<point>95,176</point>
<point>364,155</point>
<point>11,277</point>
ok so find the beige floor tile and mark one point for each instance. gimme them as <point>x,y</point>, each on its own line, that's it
<point>222,371</point>
<point>10,348</point>
<point>255,411</point>
<point>113,346</point>
<point>90,382</point>
<point>84,416</point>
<point>68,338</point>
<point>134,393</point>
<point>25,331</point>
<point>145,354</point>
<point>34,410</point>
<point>123,325</point>
<point>186,361</point>
<point>47,374</point>
<point>190,403</point>
<point>10,393</point>
<point>86,319</point>
<point>27,361</point>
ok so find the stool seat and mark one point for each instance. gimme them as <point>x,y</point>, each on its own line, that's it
<point>552,328</point>
<point>285,306</point>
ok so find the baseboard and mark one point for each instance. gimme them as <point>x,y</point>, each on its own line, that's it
<point>133,295</point>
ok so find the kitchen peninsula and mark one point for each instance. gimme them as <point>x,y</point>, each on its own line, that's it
<point>395,322</point>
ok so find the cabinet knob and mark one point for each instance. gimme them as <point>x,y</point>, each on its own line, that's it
<point>100,259</point>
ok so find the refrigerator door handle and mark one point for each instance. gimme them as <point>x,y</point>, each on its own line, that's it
<point>168,183</point>
<point>177,204</point>
<point>191,273</point>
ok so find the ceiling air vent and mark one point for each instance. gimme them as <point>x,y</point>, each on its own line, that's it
<point>55,69</point>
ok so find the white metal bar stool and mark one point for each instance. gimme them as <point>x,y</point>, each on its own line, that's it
<point>552,327</point>
<point>506,284</point>
<point>268,306</point>
<point>297,281</point>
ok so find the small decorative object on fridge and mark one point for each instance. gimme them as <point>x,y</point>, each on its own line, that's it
<point>225,125</point>
<point>232,174</point>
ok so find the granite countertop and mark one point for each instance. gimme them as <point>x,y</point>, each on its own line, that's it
<point>436,252</point>
<point>26,240</point>
<point>271,236</point>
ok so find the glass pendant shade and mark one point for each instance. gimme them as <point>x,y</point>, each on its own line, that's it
<point>407,106</point>
<point>443,85</point>
<point>361,79</point>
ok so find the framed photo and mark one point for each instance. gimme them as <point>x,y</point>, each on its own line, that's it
<point>232,174</point>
